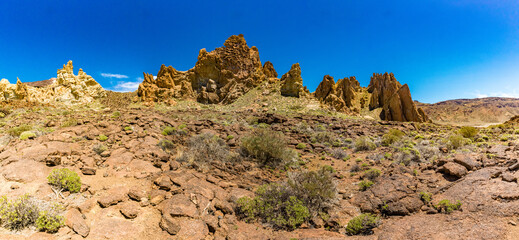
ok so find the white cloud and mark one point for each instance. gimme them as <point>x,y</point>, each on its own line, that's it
<point>512,94</point>
<point>126,86</point>
<point>112,75</point>
<point>155,77</point>
<point>140,79</point>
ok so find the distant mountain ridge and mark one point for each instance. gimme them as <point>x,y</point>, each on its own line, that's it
<point>475,112</point>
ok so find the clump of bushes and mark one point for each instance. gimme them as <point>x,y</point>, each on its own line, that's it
<point>365,184</point>
<point>64,179</point>
<point>27,134</point>
<point>69,122</point>
<point>49,221</point>
<point>301,146</point>
<point>372,174</point>
<point>166,145</point>
<point>102,137</point>
<point>17,131</point>
<point>364,144</point>
<point>393,136</point>
<point>24,211</point>
<point>468,132</point>
<point>447,207</point>
<point>168,130</point>
<point>204,149</point>
<point>456,141</point>
<point>362,224</point>
<point>288,204</point>
<point>426,197</point>
<point>19,213</point>
<point>267,146</point>
<point>100,148</point>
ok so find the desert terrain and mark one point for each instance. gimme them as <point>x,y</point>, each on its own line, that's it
<point>231,150</point>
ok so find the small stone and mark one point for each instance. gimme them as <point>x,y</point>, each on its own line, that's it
<point>512,223</point>
<point>88,171</point>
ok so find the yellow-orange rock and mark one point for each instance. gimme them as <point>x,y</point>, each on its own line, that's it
<point>219,76</point>
<point>67,88</point>
<point>395,100</point>
<point>340,95</point>
<point>292,82</point>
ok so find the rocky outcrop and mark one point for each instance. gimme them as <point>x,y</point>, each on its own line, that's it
<point>270,72</point>
<point>340,95</point>
<point>66,88</point>
<point>292,82</point>
<point>219,76</point>
<point>394,99</point>
<point>384,92</point>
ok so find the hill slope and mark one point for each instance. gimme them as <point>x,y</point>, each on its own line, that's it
<point>476,112</point>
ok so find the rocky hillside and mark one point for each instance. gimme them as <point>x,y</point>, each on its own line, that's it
<point>475,112</point>
<point>66,88</point>
<point>228,72</point>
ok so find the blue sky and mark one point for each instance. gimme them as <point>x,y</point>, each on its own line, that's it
<point>444,49</point>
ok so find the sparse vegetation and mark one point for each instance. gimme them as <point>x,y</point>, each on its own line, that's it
<point>267,146</point>
<point>102,137</point>
<point>372,174</point>
<point>288,204</point>
<point>166,145</point>
<point>27,135</point>
<point>446,206</point>
<point>49,221</point>
<point>468,132</point>
<point>204,149</point>
<point>362,224</point>
<point>364,144</point>
<point>99,148</point>
<point>365,184</point>
<point>393,136</point>
<point>64,179</point>
<point>17,131</point>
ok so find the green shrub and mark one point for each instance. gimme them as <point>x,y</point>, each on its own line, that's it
<point>49,221</point>
<point>204,149</point>
<point>128,128</point>
<point>315,188</point>
<point>27,134</point>
<point>372,174</point>
<point>116,114</point>
<point>365,184</point>
<point>301,146</point>
<point>362,224</point>
<point>274,205</point>
<point>19,213</point>
<point>267,146</point>
<point>64,179</point>
<point>364,144</point>
<point>468,132</point>
<point>69,122</point>
<point>99,148</point>
<point>102,137</point>
<point>393,136</point>
<point>426,197</point>
<point>166,145</point>
<point>16,131</point>
<point>288,204</point>
<point>447,207</point>
<point>168,130</point>
<point>456,141</point>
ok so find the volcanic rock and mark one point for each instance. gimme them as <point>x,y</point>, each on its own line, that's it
<point>395,99</point>
<point>340,95</point>
<point>219,76</point>
<point>270,72</point>
<point>292,82</point>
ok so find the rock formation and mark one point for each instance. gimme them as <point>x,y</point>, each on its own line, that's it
<point>292,83</point>
<point>394,99</point>
<point>66,88</point>
<point>340,95</point>
<point>219,76</point>
<point>386,92</point>
<point>270,72</point>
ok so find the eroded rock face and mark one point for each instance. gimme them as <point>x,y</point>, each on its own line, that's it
<point>340,95</point>
<point>67,88</point>
<point>219,76</point>
<point>394,99</point>
<point>292,82</point>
